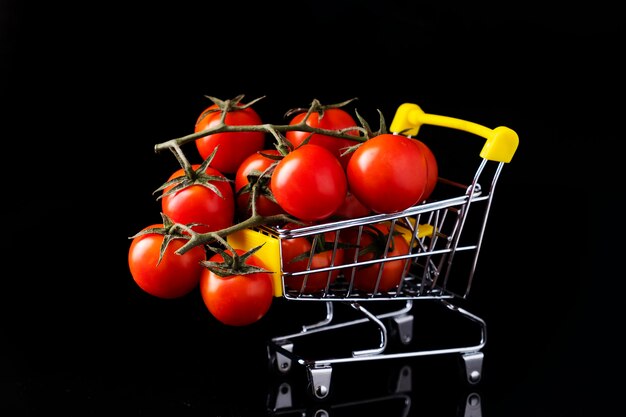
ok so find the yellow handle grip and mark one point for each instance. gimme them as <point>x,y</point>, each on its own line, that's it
<point>501,142</point>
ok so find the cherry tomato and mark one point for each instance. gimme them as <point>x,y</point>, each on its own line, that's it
<point>199,204</point>
<point>265,204</point>
<point>351,208</point>
<point>332,119</point>
<point>309,183</point>
<point>296,254</point>
<point>238,299</point>
<point>175,275</point>
<point>432,174</point>
<point>372,246</point>
<point>388,173</point>
<point>234,147</point>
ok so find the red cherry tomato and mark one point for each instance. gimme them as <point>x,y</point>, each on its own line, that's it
<point>296,255</point>
<point>332,119</point>
<point>309,183</point>
<point>237,300</point>
<point>372,246</point>
<point>199,204</point>
<point>174,276</point>
<point>432,174</point>
<point>351,208</point>
<point>388,173</point>
<point>234,147</point>
<point>259,163</point>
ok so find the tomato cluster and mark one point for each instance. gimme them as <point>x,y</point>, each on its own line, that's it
<point>322,167</point>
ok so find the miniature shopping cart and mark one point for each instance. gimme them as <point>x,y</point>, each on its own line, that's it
<point>444,234</point>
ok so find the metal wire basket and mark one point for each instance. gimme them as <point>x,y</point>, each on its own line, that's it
<point>444,234</point>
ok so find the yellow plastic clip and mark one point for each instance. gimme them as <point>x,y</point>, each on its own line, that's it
<point>422,231</point>
<point>247,239</point>
<point>501,142</point>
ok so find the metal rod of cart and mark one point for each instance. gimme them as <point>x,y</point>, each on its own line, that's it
<point>444,234</point>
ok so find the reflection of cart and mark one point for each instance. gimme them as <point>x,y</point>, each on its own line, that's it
<point>442,232</point>
<point>393,391</point>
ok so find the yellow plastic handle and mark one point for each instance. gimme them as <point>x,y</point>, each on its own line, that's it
<point>501,142</point>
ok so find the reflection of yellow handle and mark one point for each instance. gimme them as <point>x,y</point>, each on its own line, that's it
<point>501,142</point>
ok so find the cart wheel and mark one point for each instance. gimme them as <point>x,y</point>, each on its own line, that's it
<point>473,366</point>
<point>403,328</point>
<point>319,381</point>
<point>279,362</point>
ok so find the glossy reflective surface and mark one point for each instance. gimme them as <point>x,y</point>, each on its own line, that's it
<point>157,359</point>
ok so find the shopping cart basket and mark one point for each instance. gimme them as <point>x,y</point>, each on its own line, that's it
<point>444,234</point>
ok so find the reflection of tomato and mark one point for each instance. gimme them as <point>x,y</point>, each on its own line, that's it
<point>309,183</point>
<point>372,246</point>
<point>175,275</point>
<point>296,254</point>
<point>388,173</point>
<point>254,165</point>
<point>432,174</point>
<point>199,204</point>
<point>234,147</point>
<point>238,299</point>
<point>330,119</point>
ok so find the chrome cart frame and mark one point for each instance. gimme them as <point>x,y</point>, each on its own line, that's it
<point>444,231</point>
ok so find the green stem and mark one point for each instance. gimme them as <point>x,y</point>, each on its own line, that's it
<point>267,128</point>
<point>252,221</point>
<point>183,161</point>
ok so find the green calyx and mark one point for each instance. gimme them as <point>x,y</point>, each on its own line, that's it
<point>193,177</point>
<point>233,263</point>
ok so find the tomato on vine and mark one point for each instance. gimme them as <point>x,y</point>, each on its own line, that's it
<point>234,147</point>
<point>254,173</point>
<point>203,198</point>
<point>309,183</point>
<point>388,173</point>
<point>351,208</point>
<point>331,117</point>
<point>155,266</point>
<point>376,242</point>
<point>236,287</point>
<point>311,253</point>
<point>432,169</point>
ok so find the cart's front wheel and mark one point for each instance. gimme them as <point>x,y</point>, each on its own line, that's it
<point>278,361</point>
<point>473,366</point>
<point>319,379</point>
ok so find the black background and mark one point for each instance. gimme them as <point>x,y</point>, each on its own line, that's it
<point>88,89</point>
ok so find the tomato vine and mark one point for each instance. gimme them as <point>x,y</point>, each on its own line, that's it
<point>282,145</point>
